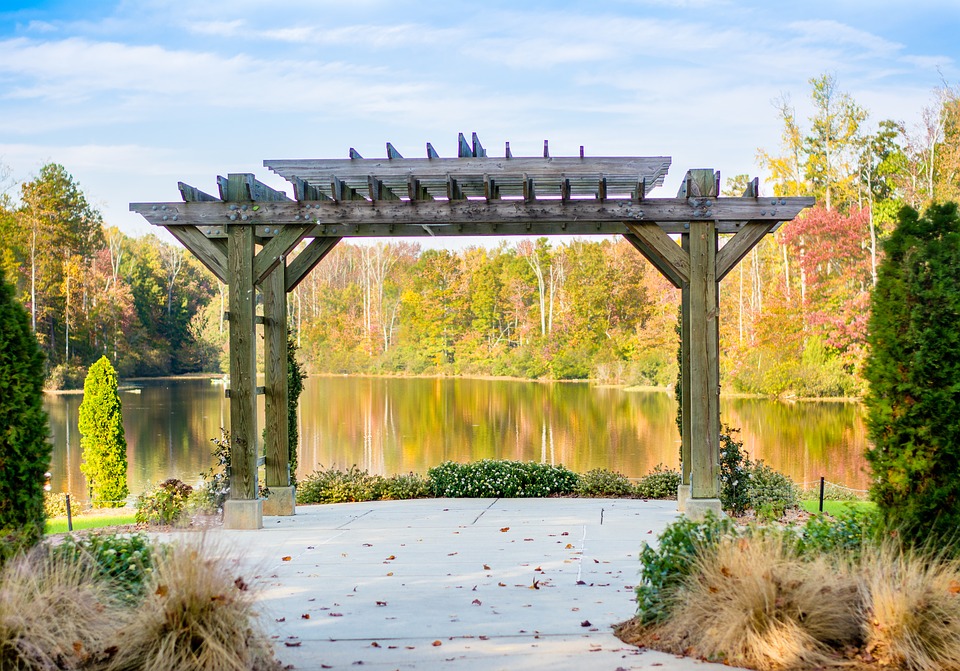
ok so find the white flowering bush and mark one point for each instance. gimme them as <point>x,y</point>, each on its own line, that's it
<point>491,478</point>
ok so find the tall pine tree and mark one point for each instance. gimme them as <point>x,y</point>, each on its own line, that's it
<point>913,369</point>
<point>24,445</point>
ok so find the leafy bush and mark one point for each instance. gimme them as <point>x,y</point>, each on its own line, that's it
<point>734,473</point>
<point>24,443</point>
<point>843,535</point>
<point>660,483</point>
<point>404,486</point>
<point>500,478</point>
<point>770,493</point>
<point>336,486</point>
<point>101,437</point>
<point>123,560</point>
<point>913,408</point>
<point>55,504</point>
<point>601,482</point>
<point>663,568</point>
<point>214,488</point>
<point>164,505</point>
<point>295,377</point>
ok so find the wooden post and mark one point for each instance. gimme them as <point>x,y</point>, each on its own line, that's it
<point>281,499</point>
<point>243,510</point>
<point>704,362</point>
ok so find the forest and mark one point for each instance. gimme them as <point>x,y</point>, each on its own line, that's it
<point>793,313</point>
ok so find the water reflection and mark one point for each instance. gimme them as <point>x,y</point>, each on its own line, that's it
<point>388,425</point>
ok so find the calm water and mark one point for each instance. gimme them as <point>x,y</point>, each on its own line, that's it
<point>389,426</point>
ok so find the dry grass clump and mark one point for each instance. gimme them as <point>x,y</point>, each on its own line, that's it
<point>912,620</point>
<point>54,613</point>
<point>753,602</point>
<point>197,616</point>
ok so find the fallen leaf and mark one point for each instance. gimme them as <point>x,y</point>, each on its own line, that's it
<point>281,619</point>
<point>390,558</point>
<point>374,645</point>
<point>368,545</point>
<point>501,584</point>
<point>568,546</point>
<point>528,539</point>
<point>241,585</point>
<point>390,574</point>
<point>336,614</point>
<point>565,533</point>
<point>483,638</point>
<point>954,587</point>
<point>504,529</point>
<point>486,568</point>
<point>287,558</point>
<point>305,616</point>
<point>162,590</point>
<point>581,582</point>
<point>450,554</point>
<point>596,561</point>
<point>538,569</point>
<point>477,602</point>
<point>436,644</point>
<point>536,584</point>
<point>381,603</point>
<point>292,644</point>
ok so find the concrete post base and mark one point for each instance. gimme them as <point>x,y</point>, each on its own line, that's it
<point>244,514</point>
<point>683,494</point>
<point>697,509</point>
<point>281,501</point>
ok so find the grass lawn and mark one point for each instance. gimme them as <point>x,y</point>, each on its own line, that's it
<point>836,507</point>
<point>58,525</point>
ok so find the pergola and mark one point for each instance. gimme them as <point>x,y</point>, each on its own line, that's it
<point>247,234</point>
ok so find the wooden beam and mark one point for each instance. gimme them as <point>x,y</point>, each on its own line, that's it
<point>342,192</point>
<point>478,150</point>
<point>306,191</point>
<point>669,255</point>
<point>243,409</point>
<point>685,434</point>
<point>320,171</point>
<point>506,151</point>
<point>212,253</point>
<point>379,192</point>
<point>650,255</point>
<point>699,183</point>
<point>301,265</point>
<point>362,218</point>
<point>354,154</point>
<point>392,153</point>
<point>431,152</point>
<point>276,249</point>
<point>739,246</point>
<point>464,150</point>
<point>275,372</point>
<point>454,192</point>
<point>191,194</point>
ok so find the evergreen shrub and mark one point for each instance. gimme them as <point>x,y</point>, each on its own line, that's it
<point>660,483</point>
<point>601,482</point>
<point>123,560</point>
<point>24,446</point>
<point>913,368</point>
<point>336,486</point>
<point>734,473</point>
<point>102,439</point>
<point>770,493</point>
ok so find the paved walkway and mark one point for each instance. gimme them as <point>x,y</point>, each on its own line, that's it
<point>455,584</point>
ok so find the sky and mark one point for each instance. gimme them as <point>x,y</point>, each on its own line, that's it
<point>132,96</point>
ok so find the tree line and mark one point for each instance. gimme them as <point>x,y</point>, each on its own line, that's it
<point>793,313</point>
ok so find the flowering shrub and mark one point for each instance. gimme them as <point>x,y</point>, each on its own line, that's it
<point>734,473</point>
<point>499,478</point>
<point>164,505</point>
<point>336,486</point>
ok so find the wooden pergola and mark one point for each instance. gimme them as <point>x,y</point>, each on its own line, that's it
<point>246,236</point>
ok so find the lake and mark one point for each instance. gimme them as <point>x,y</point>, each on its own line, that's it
<point>398,425</point>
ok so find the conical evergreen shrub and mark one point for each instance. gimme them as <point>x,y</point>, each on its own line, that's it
<point>102,438</point>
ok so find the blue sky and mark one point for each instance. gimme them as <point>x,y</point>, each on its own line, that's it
<point>134,95</point>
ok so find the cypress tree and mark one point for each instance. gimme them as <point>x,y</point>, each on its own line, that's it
<point>101,437</point>
<point>24,430</point>
<point>914,373</point>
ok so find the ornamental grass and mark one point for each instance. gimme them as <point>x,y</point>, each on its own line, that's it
<point>54,613</point>
<point>198,615</point>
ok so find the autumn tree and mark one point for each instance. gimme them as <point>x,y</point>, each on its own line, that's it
<point>102,439</point>
<point>914,363</point>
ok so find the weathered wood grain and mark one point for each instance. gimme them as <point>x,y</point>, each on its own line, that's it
<point>275,372</point>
